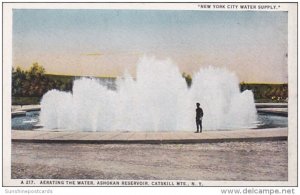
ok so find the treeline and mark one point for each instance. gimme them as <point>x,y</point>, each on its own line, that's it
<point>267,92</point>
<point>34,82</point>
<point>28,86</point>
<point>262,92</point>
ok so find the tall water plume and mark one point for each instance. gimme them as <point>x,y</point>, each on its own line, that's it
<point>158,99</point>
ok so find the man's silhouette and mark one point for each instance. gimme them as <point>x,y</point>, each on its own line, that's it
<point>199,115</point>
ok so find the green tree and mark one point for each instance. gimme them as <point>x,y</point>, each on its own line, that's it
<point>36,69</point>
<point>187,78</point>
<point>35,83</point>
<point>18,76</point>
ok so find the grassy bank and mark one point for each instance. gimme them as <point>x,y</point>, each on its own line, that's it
<point>26,100</point>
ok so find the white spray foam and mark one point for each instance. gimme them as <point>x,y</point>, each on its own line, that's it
<point>157,100</point>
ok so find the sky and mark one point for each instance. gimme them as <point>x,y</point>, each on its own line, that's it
<point>106,43</point>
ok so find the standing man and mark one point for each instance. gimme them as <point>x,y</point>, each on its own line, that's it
<point>199,115</point>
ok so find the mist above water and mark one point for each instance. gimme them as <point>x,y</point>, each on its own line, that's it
<point>158,99</point>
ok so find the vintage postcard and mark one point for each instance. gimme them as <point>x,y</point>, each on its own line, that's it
<point>150,94</point>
